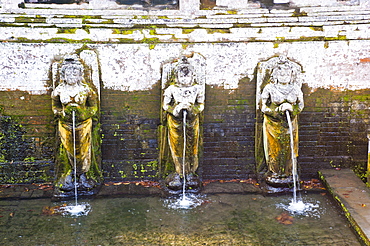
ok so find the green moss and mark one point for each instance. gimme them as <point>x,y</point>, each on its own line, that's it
<point>86,28</point>
<point>24,19</point>
<point>66,40</point>
<point>187,30</point>
<point>123,31</point>
<point>67,30</point>
<point>232,12</point>
<point>316,38</point>
<point>184,46</point>
<point>126,40</point>
<point>148,26</point>
<point>217,30</point>
<point>298,13</point>
<point>242,25</point>
<point>326,44</point>
<point>12,145</point>
<point>83,16</point>
<point>150,40</point>
<point>339,37</point>
<point>317,28</point>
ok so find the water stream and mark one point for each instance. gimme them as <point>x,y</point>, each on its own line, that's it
<point>75,209</point>
<point>74,153</point>
<point>184,154</point>
<point>295,206</point>
<point>294,159</point>
<point>185,202</point>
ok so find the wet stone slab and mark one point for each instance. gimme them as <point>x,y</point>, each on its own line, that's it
<point>353,196</point>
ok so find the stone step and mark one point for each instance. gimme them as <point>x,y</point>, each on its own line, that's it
<point>352,196</point>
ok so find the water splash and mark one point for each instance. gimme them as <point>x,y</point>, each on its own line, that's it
<point>77,210</point>
<point>184,202</point>
<point>304,208</point>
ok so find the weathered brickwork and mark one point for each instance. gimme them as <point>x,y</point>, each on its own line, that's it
<point>229,120</point>
<point>130,122</point>
<point>333,132</point>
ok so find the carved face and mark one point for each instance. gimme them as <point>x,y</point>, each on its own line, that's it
<point>185,77</point>
<point>283,75</point>
<point>72,75</point>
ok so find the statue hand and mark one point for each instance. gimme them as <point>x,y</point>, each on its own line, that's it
<point>286,106</point>
<point>176,111</point>
<point>59,113</point>
<point>179,107</point>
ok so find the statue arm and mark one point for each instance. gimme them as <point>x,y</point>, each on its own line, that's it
<point>267,107</point>
<point>57,106</point>
<point>167,99</point>
<point>298,107</point>
<point>198,107</point>
<point>92,104</point>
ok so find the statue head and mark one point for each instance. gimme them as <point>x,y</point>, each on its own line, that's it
<point>184,72</point>
<point>71,71</point>
<point>282,73</point>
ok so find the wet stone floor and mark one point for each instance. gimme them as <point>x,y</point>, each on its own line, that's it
<point>222,219</point>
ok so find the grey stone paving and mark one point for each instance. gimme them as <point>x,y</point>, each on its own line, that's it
<point>353,196</point>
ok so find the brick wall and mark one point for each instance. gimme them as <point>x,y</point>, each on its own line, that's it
<point>333,132</point>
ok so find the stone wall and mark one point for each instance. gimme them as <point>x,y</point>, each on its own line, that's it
<point>331,44</point>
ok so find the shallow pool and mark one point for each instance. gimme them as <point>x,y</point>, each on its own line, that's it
<point>224,219</point>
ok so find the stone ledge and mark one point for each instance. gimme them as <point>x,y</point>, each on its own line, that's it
<point>353,197</point>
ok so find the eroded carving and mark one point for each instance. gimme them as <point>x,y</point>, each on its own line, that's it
<point>278,91</point>
<point>75,103</point>
<point>183,104</point>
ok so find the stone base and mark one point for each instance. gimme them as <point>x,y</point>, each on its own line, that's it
<point>174,183</point>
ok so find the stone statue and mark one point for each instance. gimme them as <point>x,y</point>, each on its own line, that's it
<point>280,91</point>
<point>78,143</point>
<point>183,103</point>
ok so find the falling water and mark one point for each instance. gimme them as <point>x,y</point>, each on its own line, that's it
<point>74,152</point>
<point>187,201</point>
<point>294,159</point>
<point>84,208</point>
<point>294,206</point>
<point>184,200</point>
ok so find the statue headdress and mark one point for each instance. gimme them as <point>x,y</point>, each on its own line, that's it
<point>184,66</point>
<point>71,61</point>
